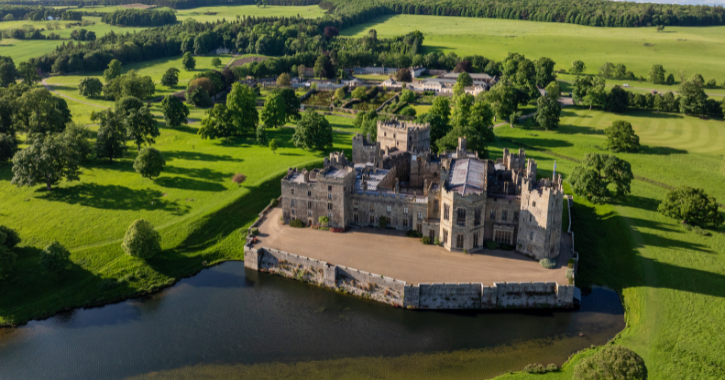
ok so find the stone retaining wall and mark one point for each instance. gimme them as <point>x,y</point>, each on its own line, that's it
<point>508,295</point>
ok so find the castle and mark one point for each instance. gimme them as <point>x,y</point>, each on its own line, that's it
<point>456,198</point>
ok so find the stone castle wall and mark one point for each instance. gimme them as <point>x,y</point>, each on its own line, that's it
<point>509,295</point>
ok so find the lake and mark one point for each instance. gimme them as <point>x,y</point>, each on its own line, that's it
<point>230,320</point>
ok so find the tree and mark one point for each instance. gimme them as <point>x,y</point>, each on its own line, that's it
<point>8,146</point>
<point>47,160</point>
<point>218,123</point>
<point>127,104</point>
<point>407,96</point>
<point>503,98</point>
<point>611,363</point>
<point>607,70</point>
<point>242,105</point>
<point>692,206</point>
<point>8,72</point>
<point>660,28</point>
<point>475,127</point>
<point>54,257</point>
<point>283,80</point>
<point>113,71</point>
<point>578,67</point>
<point>262,136</point>
<point>239,178</point>
<point>170,77</point>
<point>359,93</point>
<point>621,137</point>
<point>149,163</point>
<point>438,128</point>
<point>404,75</point>
<point>274,112</point>
<point>553,90</point>
<point>188,61</point>
<point>28,72</point>
<point>301,71</point>
<point>90,87</point>
<point>323,67</point>
<point>38,111</point>
<point>442,107</point>
<point>141,240</point>
<point>589,90</point>
<point>111,136</point>
<point>597,172</point>
<point>670,80</point>
<point>548,111</point>
<point>463,66</point>
<point>292,103</point>
<point>9,238</point>
<point>340,93</point>
<point>693,99</point>
<point>7,259</point>
<point>175,112</point>
<point>141,127</point>
<point>273,145</point>
<point>197,96</point>
<point>216,62</point>
<point>331,32</point>
<point>130,84</point>
<point>544,71</point>
<point>617,100</point>
<point>313,131</point>
<point>464,79</point>
<point>657,74</point>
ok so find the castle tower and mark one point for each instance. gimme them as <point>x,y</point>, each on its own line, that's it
<point>542,204</point>
<point>365,151</point>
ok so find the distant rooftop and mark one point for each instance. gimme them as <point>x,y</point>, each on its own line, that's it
<point>467,176</point>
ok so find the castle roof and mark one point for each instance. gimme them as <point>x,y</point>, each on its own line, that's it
<point>467,176</point>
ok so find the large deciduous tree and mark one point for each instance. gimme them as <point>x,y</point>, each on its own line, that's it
<point>141,240</point>
<point>548,111</point>
<point>8,72</point>
<point>621,137</point>
<point>592,179</point>
<point>141,127</point>
<point>111,136</point>
<point>90,87</point>
<point>503,98</point>
<point>114,70</point>
<point>657,74</point>
<point>274,113</point>
<point>54,257</point>
<point>544,71</point>
<point>577,67</point>
<point>218,123</point>
<point>242,105</point>
<point>28,72</point>
<point>170,77</point>
<point>175,111</point>
<point>47,159</point>
<point>188,61</point>
<point>693,99</point>
<point>692,206</point>
<point>473,122</point>
<point>40,112</point>
<point>617,100</point>
<point>130,84</point>
<point>313,131</point>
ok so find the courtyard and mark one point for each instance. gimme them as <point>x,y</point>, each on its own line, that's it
<point>390,253</point>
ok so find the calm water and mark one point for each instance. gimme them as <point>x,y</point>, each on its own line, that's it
<point>226,315</point>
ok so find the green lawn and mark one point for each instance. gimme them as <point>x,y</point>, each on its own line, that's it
<point>231,12</point>
<point>694,50</point>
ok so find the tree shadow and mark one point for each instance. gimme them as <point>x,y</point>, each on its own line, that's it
<point>205,173</point>
<point>189,184</point>
<point>114,197</point>
<point>568,129</point>
<point>198,156</point>
<point>184,128</point>
<point>660,150</point>
<point>653,114</point>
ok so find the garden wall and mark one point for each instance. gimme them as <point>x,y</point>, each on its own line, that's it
<point>509,295</point>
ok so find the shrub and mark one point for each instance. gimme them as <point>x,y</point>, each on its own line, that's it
<point>610,363</point>
<point>254,231</point>
<point>539,368</point>
<point>570,273</point>
<point>490,244</point>
<point>425,240</point>
<point>506,247</point>
<point>141,240</point>
<point>547,263</point>
<point>382,222</point>
<point>239,178</point>
<point>11,237</point>
<point>324,220</point>
<point>436,241</point>
<point>274,202</point>
<point>296,223</point>
<point>570,263</point>
<point>413,234</point>
<point>54,257</point>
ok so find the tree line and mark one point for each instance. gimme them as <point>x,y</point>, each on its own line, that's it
<point>9,12</point>
<point>140,17</point>
<point>582,12</point>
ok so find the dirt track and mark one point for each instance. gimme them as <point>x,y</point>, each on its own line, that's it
<point>391,254</point>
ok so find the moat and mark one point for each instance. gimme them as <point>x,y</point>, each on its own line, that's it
<point>227,316</point>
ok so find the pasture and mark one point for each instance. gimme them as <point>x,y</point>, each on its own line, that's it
<point>231,12</point>
<point>694,50</point>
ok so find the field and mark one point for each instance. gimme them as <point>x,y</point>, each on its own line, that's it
<point>694,50</point>
<point>231,12</point>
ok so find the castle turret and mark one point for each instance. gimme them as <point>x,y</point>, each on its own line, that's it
<point>540,218</point>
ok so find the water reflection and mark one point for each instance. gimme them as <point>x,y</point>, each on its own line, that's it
<point>229,316</point>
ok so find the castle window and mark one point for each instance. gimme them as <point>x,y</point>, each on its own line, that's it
<point>329,188</point>
<point>372,207</point>
<point>405,222</point>
<point>292,212</point>
<point>516,216</point>
<point>493,214</point>
<point>355,218</point>
<point>531,218</point>
<point>531,235</point>
<point>395,221</point>
<point>292,203</point>
<point>405,210</point>
<point>445,236</point>
<point>504,215</point>
<point>420,216</point>
<point>436,205</point>
<point>309,193</point>
<point>533,204</point>
<point>446,211</point>
<point>292,191</point>
<point>390,208</point>
<point>329,195</point>
<point>475,240</point>
<point>387,221</point>
<point>309,204</point>
<point>354,205</point>
<point>309,213</point>
<point>419,228</point>
<point>329,206</point>
<point>477,216</point>
<point>372,220</point>
<point>461,219</point>
<point>459,241</point>
<point>329,215</point>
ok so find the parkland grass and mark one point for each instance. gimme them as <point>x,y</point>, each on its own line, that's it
<point>694,50</point>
